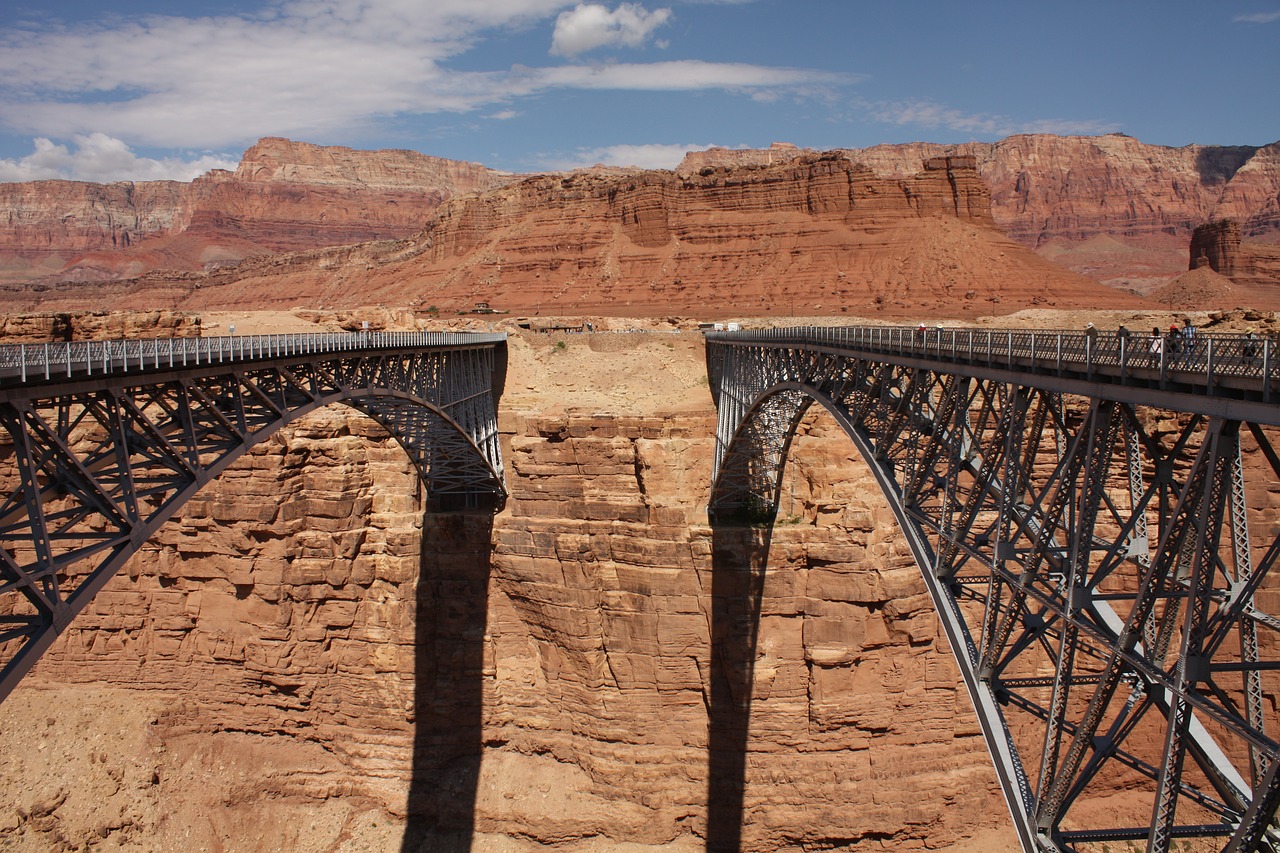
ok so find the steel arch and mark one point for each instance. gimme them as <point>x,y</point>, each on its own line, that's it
<point>1090,560</point>
<point>99,463</point>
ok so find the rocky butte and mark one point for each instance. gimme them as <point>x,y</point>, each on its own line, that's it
<point>1110,207</point>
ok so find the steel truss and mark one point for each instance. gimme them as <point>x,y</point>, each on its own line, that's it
<point>98,463</point>
<point>1092,561</point>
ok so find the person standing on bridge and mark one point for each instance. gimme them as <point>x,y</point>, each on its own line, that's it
<point>1188,338</point>
<point>1090,341</point>
<point>1156,346</point>
<point>1250,348</point>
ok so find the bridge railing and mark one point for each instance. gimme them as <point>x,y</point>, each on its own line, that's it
<point>46,361</point>
<point>1203,360</point>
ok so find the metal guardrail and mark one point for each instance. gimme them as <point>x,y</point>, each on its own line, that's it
<point>49,361</point>
<point>1206,360</point>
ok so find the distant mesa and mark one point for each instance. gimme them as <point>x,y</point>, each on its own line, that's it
<point>892,229</point>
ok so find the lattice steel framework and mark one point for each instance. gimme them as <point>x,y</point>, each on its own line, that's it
<point>98,461</point>
<point>1100,552</point>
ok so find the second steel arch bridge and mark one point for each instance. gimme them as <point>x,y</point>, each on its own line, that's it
<point>1096,521</point>
<point>106,440</point>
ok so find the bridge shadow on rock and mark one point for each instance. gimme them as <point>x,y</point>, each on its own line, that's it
<point>739,554</point>
<point>450,624</point>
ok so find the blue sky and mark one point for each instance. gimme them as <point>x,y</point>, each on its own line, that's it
<point>152,89</point>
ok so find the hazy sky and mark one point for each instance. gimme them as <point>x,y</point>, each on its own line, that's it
<point>149,89</point>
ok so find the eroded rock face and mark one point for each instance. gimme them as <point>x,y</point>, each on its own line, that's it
<point>97,325</point>
<point>304,649</point>
<point>1217,246</point>
<point>285,196</point>
<point>1255,266</point>
<point>818,234</point>
<point>1111,207</point>
<point>1046,187</point>
<point>1114,208</point>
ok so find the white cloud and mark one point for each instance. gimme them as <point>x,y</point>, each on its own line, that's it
<point>101,159</point>
<point>655,156</point>
<point>680,75</point>
<point>317,68</point>
<point>931,115</point>
<point>590,25</point>
<point>1257,18</point>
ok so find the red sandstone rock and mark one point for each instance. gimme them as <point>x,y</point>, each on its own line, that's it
<point>1217,246</point>
<point>1110,206</point>
<point>285,196</point>
<point>818,234</point>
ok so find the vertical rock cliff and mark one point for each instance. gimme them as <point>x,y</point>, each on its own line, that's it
<point>1110,207</point>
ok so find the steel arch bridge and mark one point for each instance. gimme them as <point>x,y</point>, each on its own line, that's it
<point>1096,522</point>
<point>106,440</point>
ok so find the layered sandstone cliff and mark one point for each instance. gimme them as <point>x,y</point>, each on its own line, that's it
<point>817,234</point>
<point>1217,245</point>
<point>1046,187</point>
<point>284,196</point>
<point>1112,207</point>
<point>306,661</point>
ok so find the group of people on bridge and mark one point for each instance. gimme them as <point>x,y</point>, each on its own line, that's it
<point>1177,342</point>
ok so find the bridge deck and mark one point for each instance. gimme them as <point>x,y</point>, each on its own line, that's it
<point>1229,376</point>
<point>43,364</point>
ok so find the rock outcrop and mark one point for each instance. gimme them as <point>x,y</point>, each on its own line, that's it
<point>1046,187</point>
<point>1216,245</point>
<point>284,196</point>
<point>1109,207</point>
<point>1253,267</point>
<point>817,234</point>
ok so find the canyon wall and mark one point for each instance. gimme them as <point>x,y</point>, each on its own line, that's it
<point>1046,187</point>
<point>306,661</point>
<point>285,196</point>
<point>1110,207</point>
<point>816,235</point>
